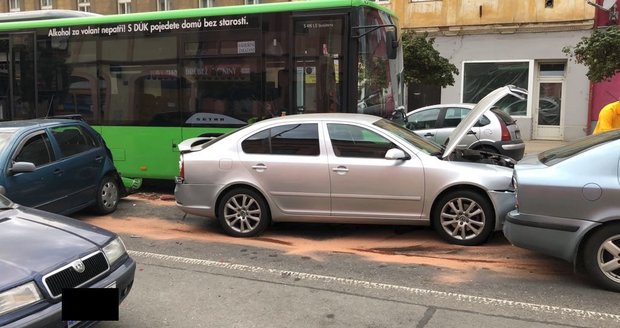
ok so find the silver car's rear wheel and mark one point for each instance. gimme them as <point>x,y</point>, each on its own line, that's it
<point>464,218</point>
<point>602,257</point>
<point>243,212</point>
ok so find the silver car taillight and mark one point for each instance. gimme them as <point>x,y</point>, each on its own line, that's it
<point>181,176</point>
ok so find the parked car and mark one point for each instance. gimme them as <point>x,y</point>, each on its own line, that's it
<point>569,206</point>
<point>345,168</point>
<point>57,165</point>
<point>41,253</point>
<point>495,131</point>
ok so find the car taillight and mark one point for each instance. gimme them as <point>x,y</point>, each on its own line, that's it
<point>505,133</point>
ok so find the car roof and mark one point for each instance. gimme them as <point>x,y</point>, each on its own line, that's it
<point>313,117</point>
<point>465,105</point>
<point>44,122</point>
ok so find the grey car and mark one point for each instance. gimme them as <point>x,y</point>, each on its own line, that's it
<point>495,131</point>
<point>345,168</point>
<point>569,206</point>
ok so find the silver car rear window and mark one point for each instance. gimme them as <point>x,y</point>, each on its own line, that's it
<point>556,155</point>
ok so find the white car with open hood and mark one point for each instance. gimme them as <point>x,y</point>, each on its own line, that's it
<point>346,168</point>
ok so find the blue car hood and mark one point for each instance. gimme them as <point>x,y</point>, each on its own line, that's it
<point>33,243</point>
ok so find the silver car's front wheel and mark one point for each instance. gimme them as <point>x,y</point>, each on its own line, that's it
<point>243,213</point>
<point>464,218</point>
<point>602,256</point>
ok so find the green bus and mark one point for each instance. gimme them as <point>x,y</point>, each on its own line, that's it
<point>147,81</point>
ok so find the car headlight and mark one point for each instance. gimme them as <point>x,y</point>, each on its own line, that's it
<point>19,297</point>
<point>114,250</point>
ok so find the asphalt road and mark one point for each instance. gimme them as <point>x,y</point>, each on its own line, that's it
<point>190,274</point>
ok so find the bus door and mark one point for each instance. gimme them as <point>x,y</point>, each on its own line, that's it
<point>319,58</point>
<point>17,77</point>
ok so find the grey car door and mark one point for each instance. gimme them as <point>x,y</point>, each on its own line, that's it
<point>451,117</point>
<point>364,184</point>
<point>287,163</point>
<point>424,123</point>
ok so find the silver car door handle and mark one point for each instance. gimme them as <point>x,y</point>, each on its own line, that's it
<point>340,169</point>
<point>259,167</point>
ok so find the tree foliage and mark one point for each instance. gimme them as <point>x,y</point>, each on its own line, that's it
<point>423,63</point>
<point>600,53</point>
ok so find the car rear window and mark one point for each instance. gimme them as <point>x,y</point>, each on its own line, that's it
<point>556,155</point>
<point>503,116</point>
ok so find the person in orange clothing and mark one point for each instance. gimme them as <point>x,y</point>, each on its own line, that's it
<point>608,118</point>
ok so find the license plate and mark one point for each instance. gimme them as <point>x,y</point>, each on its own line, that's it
<point>71,323</point>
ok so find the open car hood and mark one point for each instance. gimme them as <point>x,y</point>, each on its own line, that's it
<point>483,105</point>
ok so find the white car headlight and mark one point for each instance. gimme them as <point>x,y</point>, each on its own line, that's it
<point>18,297</point>
<point>114,250</point>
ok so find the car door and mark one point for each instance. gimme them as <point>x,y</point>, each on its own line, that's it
<point>40,188</point>
<point>364,184</point>
<point>81,159</point>
<point>288,162</point>
<point>450,118</point>
<point>424,122</point>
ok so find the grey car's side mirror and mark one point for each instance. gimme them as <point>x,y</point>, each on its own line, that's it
<point>19,167</point>
<point>396,153</point>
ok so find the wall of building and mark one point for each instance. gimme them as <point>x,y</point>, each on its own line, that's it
<point>439,14</point>
<point>524,46</point>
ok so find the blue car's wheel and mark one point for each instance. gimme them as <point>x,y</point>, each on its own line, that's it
<point>107,195</point>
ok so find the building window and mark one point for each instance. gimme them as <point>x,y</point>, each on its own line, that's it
<point>46,4</point>
<point>14,5</point>
<point>84,5</point>
<point>163,5</point>
<point>480,78</point>
<point>124,6</point>
<point>252,2</point>
<point>206,3</point>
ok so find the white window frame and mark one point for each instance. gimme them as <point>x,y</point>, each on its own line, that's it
<point>167,5</point>
<point>83,5</point>
<point>47,4</point>
<point>124,6</point>
<point>209,3</point>
<point>15,5</point>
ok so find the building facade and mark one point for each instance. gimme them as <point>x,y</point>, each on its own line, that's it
<point>494,43</point>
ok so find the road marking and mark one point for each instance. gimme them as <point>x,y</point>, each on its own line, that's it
<point>532,307</point>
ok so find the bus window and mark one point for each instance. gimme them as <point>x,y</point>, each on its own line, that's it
<point>143,80</point>
<point>224,78</point>
<point>318,67</point>
<point>375,73</point>
<point>67,78</point>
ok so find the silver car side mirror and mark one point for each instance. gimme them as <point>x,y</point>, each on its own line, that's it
<point>396,153</point>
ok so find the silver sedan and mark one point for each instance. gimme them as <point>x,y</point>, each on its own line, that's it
<point>569,206</point>
<point>342,168</point>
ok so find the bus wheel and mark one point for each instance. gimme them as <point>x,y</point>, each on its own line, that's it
<point>243,212</point>
<point>107,195</point>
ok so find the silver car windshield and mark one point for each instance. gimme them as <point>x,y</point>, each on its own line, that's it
<point>556,155</point>
<point>409,136</point>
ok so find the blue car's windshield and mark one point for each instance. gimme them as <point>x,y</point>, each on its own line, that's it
<point>556,155</point>
<point>409,136</point>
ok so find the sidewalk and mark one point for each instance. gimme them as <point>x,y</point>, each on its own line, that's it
<point>536,146</point>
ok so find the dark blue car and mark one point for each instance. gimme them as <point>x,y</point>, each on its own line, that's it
<point>41,253</point>
<point>57,165</point>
